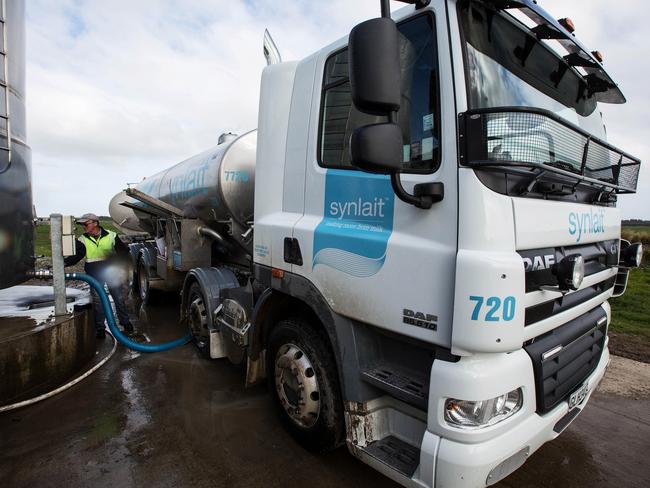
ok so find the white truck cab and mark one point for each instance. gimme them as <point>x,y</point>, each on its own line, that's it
<point>461,344</point>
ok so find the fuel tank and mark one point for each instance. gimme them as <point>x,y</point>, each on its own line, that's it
<point>16,210</point>
<point>216,186</point>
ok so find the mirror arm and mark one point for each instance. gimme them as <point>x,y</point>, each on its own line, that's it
<point>426,194</point>
<point>421,202</point>
<point>385,8</point>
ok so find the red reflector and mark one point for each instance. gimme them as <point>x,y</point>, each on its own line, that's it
<point>277,273</point>
<point>598,55</point>
<point>567,23</point>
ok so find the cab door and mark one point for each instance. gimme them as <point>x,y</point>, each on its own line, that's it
<point>373,257</point>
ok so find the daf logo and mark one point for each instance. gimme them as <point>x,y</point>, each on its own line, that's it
<point>614,248</point>
<point>538,263</point>
<point>420,319</point>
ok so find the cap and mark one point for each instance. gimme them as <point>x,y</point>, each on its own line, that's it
<point>86,217</point>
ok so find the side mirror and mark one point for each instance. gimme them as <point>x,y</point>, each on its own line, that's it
<point>373,56</point>
<point>375,82</point>
<point>374,66</point>
<point>377,148</point>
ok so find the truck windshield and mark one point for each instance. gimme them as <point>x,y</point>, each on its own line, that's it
<point>508,66</point>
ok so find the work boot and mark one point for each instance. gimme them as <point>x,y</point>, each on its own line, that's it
<point>128,328</point>
<point>100,334</point>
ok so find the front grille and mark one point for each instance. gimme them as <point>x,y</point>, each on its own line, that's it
<point>544,310</point>
<point>579,344</point>
<point>538,263</point>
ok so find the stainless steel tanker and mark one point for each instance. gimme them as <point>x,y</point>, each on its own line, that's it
<point>215,187</point>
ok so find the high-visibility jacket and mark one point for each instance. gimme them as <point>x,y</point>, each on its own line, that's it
<point>100,248</point>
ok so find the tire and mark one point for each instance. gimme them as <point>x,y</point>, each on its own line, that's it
<point>304,384</point>
<point>143,284</point>
<point>196,312</point>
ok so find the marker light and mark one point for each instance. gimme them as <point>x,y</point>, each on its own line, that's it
<point>568,24</point>
<point>632,255</point>
<point>465,414</point>
<point>598,55</point>
<point>570,272</point>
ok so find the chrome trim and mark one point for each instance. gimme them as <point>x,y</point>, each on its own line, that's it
<point>552,352</point>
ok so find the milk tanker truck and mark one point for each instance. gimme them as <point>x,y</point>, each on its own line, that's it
<point>417,246</point>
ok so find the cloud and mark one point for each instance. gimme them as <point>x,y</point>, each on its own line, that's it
<point>120,90</point>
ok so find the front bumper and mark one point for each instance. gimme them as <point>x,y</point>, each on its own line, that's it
<point>484,459</point>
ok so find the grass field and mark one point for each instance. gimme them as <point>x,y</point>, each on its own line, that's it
<point>637,233</point>
<point>42,245</point>
<point>631,312</point>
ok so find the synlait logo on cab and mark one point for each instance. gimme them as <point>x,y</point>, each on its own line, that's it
<point>358,208</point>
<point>583,224</point>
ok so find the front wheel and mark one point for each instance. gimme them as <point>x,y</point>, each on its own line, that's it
<point>304,384</point>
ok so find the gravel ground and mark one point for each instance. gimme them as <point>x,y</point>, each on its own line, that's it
<point>626,377</point>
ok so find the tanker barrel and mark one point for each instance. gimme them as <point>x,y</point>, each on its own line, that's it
<point>216,187</point>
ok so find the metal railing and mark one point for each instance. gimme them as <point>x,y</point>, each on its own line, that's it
<point>524,137</point>
<point>5,124</point>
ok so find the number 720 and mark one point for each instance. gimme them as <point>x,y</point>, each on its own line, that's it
<point>496,308</point>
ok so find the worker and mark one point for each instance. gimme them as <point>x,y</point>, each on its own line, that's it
<point>102,250</point>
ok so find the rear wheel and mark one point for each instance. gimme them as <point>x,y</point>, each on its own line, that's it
<point>304,384</point>
<point>196,312</point>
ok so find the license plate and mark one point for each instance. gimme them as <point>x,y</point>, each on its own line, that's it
<point>578,396</point>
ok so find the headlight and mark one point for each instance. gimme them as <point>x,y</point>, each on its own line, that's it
<point>570,272</point>
<point>632,255</point>
<point>466,414</point>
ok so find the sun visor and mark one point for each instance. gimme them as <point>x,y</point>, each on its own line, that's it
<point>598,83</point>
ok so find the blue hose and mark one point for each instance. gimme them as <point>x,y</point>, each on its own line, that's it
<point>110,318</point>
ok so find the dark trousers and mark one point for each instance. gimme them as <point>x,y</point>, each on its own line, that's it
<point>108,275</point>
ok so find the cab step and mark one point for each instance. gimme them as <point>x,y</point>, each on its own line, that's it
<point>407,386</point>
<point>396,454</point>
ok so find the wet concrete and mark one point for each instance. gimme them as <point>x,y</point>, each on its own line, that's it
<point>175,419</point>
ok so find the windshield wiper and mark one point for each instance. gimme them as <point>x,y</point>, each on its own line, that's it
<point>546,188</point>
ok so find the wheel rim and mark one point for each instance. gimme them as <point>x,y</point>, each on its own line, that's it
<point>297,385</point>
<point>143,281</point>
<point>198,320</point>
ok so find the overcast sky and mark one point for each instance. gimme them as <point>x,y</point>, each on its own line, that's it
<point>119,90</point>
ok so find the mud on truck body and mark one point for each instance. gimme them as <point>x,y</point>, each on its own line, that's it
<point>417,245</point>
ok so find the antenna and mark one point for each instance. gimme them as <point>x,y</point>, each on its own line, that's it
<point>271,52</point>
